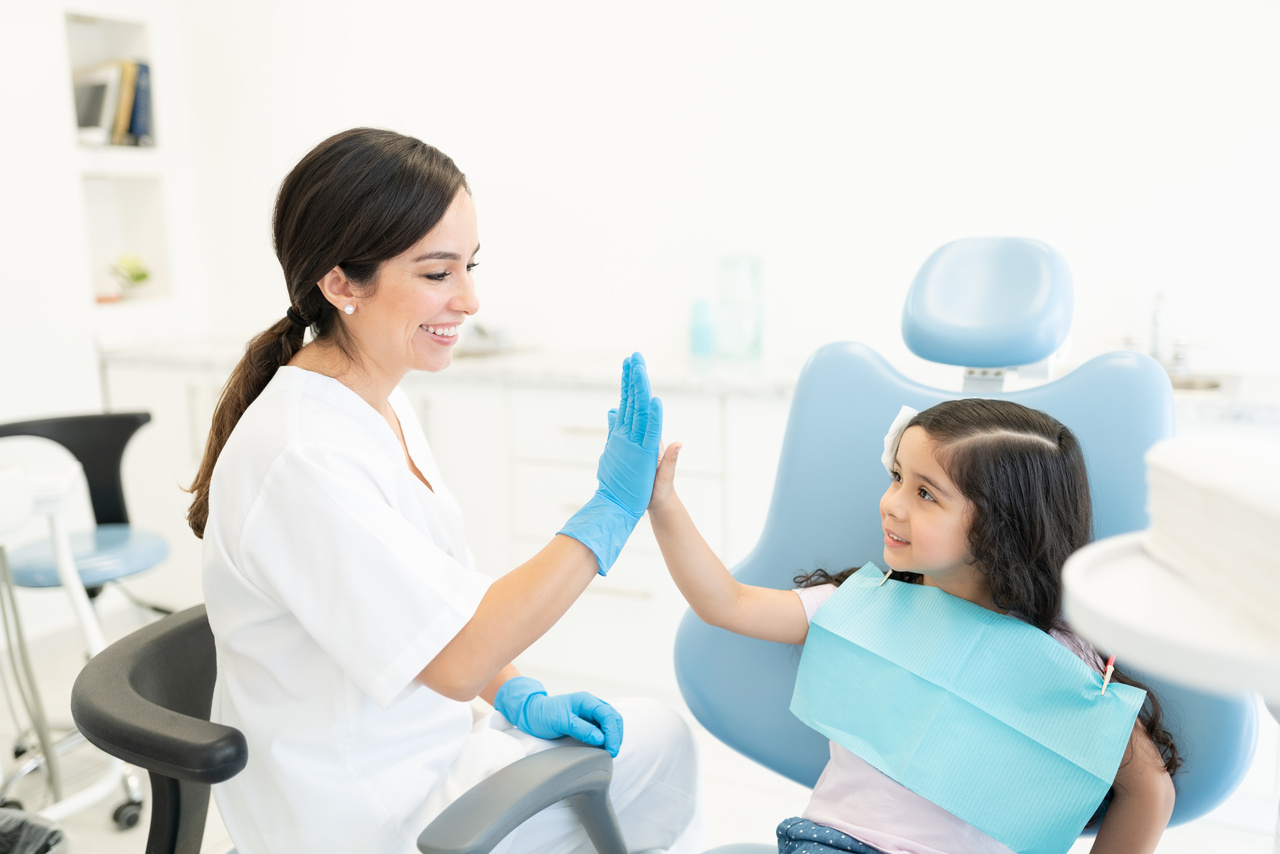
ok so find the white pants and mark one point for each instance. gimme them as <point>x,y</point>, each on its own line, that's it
<point>654,788</point>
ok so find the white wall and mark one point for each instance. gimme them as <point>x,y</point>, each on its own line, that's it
<point>616,154</point>
<point>48,364</point>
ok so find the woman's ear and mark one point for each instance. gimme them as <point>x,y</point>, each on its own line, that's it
<point>337,288</point>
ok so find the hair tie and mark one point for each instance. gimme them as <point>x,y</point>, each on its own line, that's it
<point>295,318</point>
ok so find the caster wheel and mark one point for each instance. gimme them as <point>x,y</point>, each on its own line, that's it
<point>10,804</point>
<point>127,815</point>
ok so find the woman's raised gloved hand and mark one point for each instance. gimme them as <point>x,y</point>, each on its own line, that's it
<point>580,715</point>
<point>626,469</point>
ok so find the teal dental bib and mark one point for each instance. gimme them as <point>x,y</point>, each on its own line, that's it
<point>981,713</point>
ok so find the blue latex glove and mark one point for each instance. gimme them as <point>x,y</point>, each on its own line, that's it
<point>625,472</point>
<point>580,715</point>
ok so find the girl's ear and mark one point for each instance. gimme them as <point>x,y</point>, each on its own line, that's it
<point>337,288</point>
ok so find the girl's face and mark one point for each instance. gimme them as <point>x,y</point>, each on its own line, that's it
<point>926,521</point>
<point>423,295</point>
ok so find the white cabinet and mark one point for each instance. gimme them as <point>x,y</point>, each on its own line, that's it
<point>161,461</point>
<point>466,426</point>
<point>520,455</point>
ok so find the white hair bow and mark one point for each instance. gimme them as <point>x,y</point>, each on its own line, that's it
<point>894,436</point>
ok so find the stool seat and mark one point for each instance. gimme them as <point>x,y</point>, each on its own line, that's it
<point>104,554</point>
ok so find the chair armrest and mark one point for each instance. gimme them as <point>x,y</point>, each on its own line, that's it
<point>160,740</point>
<point>145,699</point>
<point>487,812</point>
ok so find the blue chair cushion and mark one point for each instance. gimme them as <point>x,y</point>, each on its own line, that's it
<point>989,302</point>
<point>104,554</point>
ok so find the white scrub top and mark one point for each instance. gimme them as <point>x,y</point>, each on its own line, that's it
<point>332,576</point>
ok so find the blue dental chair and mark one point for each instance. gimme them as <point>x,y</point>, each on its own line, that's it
<point>982,304</point>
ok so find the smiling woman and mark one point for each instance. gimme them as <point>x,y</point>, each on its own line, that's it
<point>353,629</point>
<point>358,201</point>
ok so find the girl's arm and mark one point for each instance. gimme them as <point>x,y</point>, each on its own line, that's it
<point>1142,803</point>
<point>714,594</point>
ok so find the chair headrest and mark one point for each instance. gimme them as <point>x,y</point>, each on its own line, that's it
<point>989,302</point>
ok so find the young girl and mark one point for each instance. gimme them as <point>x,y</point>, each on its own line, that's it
<point>987,500</point>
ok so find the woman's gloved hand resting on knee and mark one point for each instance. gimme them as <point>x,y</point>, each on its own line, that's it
<point>580,715</point>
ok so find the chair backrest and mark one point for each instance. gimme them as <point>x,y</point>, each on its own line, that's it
<point>98,442</point>
<point>146,699</point>
<point>824,514</point>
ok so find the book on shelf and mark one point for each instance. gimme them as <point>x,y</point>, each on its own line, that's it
<point>113,103</point>
<point>140,119</point>
<point>124,102</point>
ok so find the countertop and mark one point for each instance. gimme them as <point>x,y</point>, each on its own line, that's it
<point>1243,402</point>
<point>519,367</point>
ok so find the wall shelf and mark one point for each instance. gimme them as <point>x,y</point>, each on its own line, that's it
<point>124,186</point>
<point>120,160</point>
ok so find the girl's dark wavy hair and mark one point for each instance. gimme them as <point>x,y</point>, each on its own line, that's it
<point>1024,473</point>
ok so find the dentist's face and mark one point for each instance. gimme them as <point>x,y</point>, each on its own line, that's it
<point>925,518</point>
<point>412,319</point>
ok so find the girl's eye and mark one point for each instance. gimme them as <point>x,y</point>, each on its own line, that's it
<point>924,493</point>
<point>472,266</point>
<point>436,277</point>
<point>896,475</point>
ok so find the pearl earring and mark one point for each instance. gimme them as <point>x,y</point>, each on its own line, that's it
<point>348,309</point>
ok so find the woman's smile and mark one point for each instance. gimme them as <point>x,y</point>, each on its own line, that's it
<point>445,334</point>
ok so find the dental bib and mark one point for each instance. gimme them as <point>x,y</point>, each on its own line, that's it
<point>985,715</point>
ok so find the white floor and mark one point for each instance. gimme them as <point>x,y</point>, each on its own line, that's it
<point>744,801</point>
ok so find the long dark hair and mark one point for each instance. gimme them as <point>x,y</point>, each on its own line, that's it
<point>354,201</point>
<point>1024,473</point>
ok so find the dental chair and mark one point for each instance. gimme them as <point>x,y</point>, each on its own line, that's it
<point>983,305</point>
<point>146,700</point>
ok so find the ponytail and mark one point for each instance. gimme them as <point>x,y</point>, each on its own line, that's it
<point>263,356</point>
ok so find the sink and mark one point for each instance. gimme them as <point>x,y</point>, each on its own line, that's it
<point>1194,382</point>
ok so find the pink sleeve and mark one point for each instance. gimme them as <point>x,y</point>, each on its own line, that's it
<point>1080,647</point>
<point>813,597</point>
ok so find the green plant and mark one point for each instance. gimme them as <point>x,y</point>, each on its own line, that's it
<point>129,271</point>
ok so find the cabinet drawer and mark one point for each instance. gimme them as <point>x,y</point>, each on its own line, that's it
<point>571,425</point>
<point>546,495</point>
<point>637,575</point>
<point>613,637</point>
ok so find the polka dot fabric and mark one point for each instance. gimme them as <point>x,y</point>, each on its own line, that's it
<point>801,836</point>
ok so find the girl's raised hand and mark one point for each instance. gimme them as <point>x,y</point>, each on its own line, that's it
<point>664,482</point>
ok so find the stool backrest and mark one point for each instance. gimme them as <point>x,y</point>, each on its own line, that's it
<point>98,442</point>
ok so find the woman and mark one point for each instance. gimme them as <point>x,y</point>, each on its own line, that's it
<point>352,628</point>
